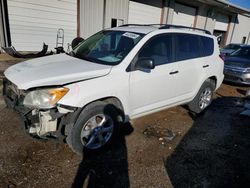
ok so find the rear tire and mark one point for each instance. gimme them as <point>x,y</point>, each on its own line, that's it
<point>203,98</point>
<point>95,128</point>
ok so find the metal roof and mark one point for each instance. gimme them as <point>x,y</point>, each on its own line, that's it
<point>225,5</point>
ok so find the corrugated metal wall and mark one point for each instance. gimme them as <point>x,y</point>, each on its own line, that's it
<point>144,12</point>
<point>1,26</point>
<point>4,34</point>
<point>242,29</point>
<point>117,9</point>
<point>222,21</point>
<point>91,17</point>
<point>33,22</point>
<point>97,14</point>
<point>184,15</point>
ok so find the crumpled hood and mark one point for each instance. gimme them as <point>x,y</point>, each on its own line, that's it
<point>53,70</point>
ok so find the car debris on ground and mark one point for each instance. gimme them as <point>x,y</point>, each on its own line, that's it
<point>164,135</point>
<point>12,52</point>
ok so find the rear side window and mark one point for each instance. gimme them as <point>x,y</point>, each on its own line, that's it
<point>188,46</point>
<point>207,46</point>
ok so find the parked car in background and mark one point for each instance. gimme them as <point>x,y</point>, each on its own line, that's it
<point>115,75</point>
<point>230,48</point>
<point>237,66</point>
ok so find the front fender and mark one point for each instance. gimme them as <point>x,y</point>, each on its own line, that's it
<point>82,93</point>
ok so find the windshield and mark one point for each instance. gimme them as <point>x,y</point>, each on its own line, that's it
<point>232,46</point>
<point>242,52</point>
<point>107,47</point>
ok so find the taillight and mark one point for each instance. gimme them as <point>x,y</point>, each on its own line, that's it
<point>222,57</point>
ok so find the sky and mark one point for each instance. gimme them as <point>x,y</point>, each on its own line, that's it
<point>242,3</point>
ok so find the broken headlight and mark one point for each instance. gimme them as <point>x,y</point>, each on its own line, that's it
<point>44,98</point>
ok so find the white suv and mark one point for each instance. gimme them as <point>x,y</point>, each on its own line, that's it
<point>113,76</point>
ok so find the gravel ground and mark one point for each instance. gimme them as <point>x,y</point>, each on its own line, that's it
<point>172,148</point>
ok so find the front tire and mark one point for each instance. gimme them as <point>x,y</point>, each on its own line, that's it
<point>203,98</point>
<point>94,129</point>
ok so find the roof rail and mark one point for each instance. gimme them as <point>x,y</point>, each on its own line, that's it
<point>126,25</point>
<point>169,26</point>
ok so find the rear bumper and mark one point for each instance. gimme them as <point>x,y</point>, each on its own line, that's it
<point>237,77</point>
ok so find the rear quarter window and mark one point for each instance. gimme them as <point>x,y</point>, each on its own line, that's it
<point>189,46</point>
<point>207,46</point>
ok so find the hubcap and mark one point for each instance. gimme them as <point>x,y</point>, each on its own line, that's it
<point>97,131</point>
<point>205,98</point>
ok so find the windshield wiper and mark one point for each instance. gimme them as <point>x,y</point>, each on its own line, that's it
<point>71,53</point>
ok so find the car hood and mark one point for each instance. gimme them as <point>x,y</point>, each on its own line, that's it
<point>237,62</point>
<point>226,51</point>
<point>54,70</point>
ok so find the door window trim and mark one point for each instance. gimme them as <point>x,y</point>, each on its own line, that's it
<point>131,66</point>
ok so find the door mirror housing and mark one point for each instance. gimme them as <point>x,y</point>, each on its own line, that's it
<point>144,63</point>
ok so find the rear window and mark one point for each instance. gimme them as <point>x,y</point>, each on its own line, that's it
<point>189,46</point>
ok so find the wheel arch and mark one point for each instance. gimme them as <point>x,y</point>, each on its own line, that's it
<point>214,80</point>
<point>113,101</point>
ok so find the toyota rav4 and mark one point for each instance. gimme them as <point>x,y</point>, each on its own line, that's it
<point>113,76</point>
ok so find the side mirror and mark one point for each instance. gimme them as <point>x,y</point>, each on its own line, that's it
<point>144,63</point>
<point>76,41</point>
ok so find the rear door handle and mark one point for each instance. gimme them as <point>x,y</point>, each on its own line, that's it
<point>205,66</point>
<point>174,72</point>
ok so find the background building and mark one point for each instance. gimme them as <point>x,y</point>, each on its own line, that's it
<point>26,24</point>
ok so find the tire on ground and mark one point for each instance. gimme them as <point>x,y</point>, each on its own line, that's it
<point>194,105</point>
<point>98,107</point>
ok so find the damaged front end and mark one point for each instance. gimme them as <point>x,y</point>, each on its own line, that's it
<point>55,121</point>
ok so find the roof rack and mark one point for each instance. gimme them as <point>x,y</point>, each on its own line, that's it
<point>168,26</point>
<point>127,25</point>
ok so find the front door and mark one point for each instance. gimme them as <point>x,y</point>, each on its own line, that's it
<point>152,89</point>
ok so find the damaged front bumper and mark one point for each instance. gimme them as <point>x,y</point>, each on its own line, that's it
<point>40,123</point>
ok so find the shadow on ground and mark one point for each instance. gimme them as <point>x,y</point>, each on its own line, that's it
<point>107,168</point>
<point>215,152</point>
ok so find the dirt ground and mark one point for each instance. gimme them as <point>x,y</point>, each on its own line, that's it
<point>172,148</point>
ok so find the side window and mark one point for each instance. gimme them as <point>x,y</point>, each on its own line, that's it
<point>187,46</point>
<point>159,49</point>
<point>207,46</point>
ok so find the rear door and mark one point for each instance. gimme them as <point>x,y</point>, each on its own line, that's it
<point>188,59</point>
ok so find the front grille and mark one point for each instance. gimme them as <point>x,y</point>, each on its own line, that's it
<point>234,69</point>
<point>10,90</point>
<point>230,77</point>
